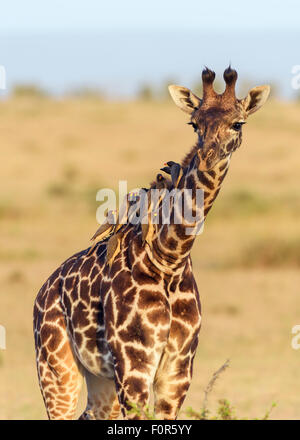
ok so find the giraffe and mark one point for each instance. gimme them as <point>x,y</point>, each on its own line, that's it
<point>133,325</point>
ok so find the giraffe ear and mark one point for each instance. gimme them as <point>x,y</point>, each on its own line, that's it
<point>184,98</point>
<point>255,99</point>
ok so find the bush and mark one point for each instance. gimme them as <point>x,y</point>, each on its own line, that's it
<point>225,411</point>
<point>28,91</point>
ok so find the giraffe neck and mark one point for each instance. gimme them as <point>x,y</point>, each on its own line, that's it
<point>173,242</point>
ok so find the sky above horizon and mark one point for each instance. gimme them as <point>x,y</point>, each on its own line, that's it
<point>85,15</point>
<point>120,46</point>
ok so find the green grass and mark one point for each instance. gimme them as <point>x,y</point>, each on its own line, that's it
<point>224,411</point>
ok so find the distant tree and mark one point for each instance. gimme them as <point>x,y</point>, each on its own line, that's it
<point>86,93</point>
<point>28,90</point>
<point>146,93</point>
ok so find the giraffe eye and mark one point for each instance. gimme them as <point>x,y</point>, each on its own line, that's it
<point>237,126</point>
<point>193,125</point>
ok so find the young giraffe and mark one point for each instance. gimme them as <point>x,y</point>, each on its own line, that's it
<point>134,323</point>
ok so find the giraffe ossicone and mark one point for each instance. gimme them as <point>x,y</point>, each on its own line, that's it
<point>125,313</point>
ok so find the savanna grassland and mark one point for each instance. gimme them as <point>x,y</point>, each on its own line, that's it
<point>55,155</point>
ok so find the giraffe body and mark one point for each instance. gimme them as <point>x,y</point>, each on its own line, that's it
<point>151,334</point>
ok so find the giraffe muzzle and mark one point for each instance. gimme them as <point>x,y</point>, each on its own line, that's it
<point>208,159</point>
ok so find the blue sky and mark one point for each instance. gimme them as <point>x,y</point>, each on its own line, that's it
<point>118,46</point>
<point>87,15</point>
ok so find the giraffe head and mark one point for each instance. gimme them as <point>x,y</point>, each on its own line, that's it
<point>218,118</point>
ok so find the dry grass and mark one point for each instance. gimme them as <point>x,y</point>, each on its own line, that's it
<point>55,155</point>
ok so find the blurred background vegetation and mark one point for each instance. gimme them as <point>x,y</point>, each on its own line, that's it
<point>56,154</point>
